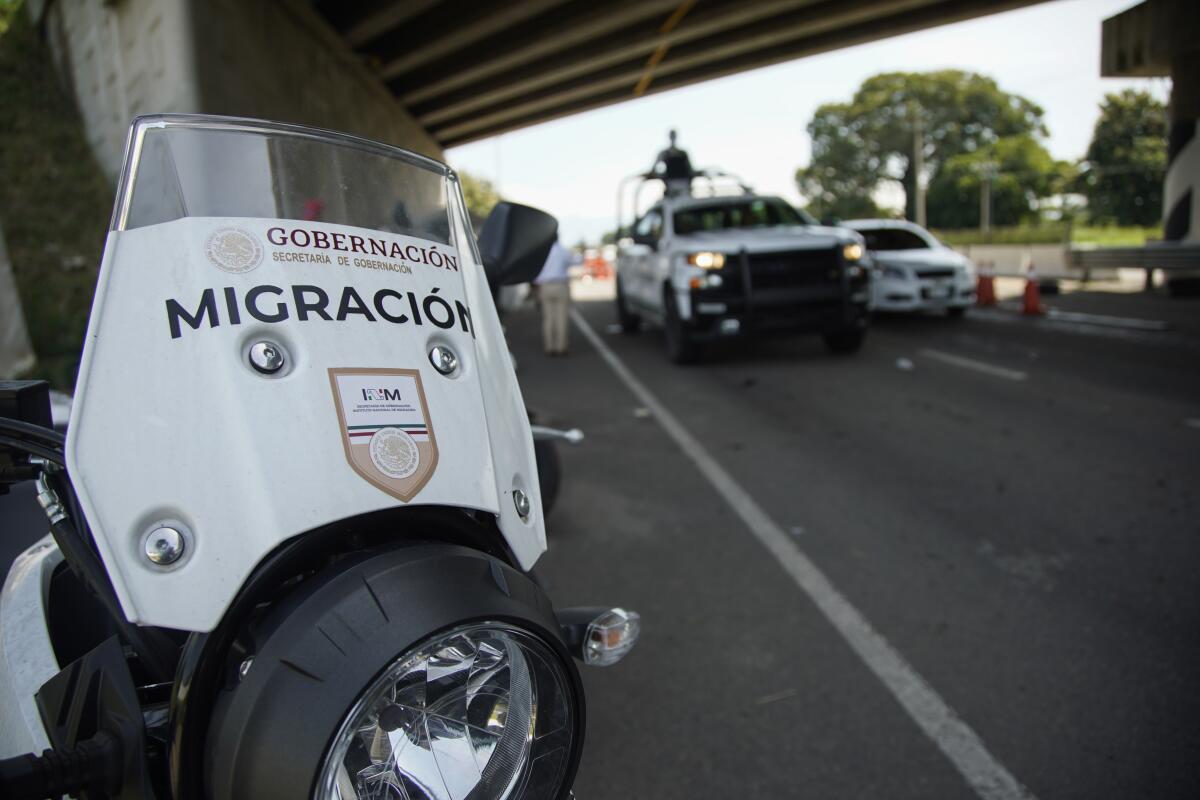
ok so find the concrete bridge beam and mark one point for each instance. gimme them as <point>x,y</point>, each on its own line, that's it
<point>1162,38</point>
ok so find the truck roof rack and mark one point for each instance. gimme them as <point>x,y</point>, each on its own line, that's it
<point>673,169</point>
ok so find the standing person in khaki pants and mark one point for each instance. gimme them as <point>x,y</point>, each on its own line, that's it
<point>554,291</point>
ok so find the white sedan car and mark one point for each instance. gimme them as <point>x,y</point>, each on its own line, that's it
<point>913,270</point>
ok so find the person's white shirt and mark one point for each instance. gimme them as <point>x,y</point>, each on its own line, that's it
<point>555,269</point>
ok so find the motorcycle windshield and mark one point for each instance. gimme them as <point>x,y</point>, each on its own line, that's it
<point>260,358</point>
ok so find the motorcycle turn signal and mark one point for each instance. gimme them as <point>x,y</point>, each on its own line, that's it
<point>599,637</point>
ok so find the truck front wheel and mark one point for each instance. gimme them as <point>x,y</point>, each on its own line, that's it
<point>845,341</point>
<point>681,348</point>
<point>630,322</point>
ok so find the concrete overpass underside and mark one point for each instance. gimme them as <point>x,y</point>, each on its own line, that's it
<point>469,71</point>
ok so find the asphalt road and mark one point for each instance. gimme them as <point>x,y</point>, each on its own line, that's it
<point>1021,527</point>
<point>1026,537</point>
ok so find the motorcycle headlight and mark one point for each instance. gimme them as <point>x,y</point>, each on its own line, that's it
<point>483,711</point>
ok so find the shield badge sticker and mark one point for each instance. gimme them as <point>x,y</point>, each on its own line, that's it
<point>385,427</point>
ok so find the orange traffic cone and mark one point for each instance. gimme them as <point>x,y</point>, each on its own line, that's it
<point>985,287</point>
<point>1032,307</point>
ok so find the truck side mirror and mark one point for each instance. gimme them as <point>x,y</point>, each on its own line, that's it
<point>515,242</point>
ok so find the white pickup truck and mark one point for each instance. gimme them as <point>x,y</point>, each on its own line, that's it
<point>724,266</point>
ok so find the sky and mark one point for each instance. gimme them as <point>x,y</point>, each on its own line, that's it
<point>754,124</point>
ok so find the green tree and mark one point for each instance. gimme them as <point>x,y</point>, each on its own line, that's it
<point>480,196</point>
<point>843,172</point>
<point>859,144</point>
<point>1122,172</point>
<point>8,11</point>
<point>1021,171</point>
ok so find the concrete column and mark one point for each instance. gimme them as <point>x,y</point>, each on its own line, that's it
<point>1181,192</point>
<point>271,59</point>
<point>16,351</point>
<point>277,59</point>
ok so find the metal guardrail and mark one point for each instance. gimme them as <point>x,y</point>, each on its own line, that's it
<point>1165,256</point>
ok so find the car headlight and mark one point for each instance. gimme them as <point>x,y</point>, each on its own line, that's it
<point>886,271</point>
<point>852,251</point>
<point>707,260</point>
<point>482,711</point>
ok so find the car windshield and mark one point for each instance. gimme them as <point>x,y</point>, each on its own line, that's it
<point>754,213</point>
<point>893,239</point>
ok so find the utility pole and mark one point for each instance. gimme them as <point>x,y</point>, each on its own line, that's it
<point>919,164</point>
<point>987,173</point>
<point>985,203</point>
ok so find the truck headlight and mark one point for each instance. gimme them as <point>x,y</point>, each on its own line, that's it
<point>852,251</point>
<point>707,260</point>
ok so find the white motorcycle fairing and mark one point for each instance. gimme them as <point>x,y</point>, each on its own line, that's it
<point>173,425</point>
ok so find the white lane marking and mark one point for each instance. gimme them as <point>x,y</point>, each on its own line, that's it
<point>1131,323</point>
<point>961,745</point>
<point>1124,334</point>
<point>775,697</point>
<point>972,364</point>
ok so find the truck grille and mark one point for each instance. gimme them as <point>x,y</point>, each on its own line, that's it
<point>792,269</point>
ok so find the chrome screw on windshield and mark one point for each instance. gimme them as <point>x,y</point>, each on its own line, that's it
<point>521,501</point>
<point>266,357</point>
<point>444,359</point>
<point>164,546</point>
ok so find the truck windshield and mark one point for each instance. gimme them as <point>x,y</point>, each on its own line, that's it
<point>740,213</point>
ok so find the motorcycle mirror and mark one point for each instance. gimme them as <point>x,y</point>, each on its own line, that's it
<point>514,243</point>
